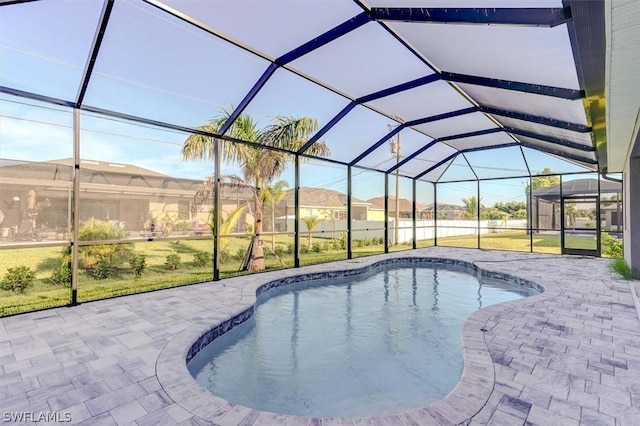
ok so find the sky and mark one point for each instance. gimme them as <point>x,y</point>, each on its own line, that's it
<point>174,73</point>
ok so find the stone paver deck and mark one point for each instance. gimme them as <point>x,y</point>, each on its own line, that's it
<point>568,356</point>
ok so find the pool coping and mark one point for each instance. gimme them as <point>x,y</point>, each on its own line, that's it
<point>467,399</point>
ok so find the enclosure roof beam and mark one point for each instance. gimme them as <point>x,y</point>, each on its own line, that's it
<point>565,155</point>
<point>443,139</point>
<point>550,139</point>
<point>552,122</point>
<point>535,17</point>
<point>537,89</point>
<point>373,147</point>
<point>438,164</point>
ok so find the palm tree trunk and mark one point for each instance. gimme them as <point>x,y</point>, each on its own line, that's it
<point>256,263</point>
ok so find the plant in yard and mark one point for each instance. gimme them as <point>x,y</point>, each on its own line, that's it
<point>272,195</point>
<point>201,258</point>
<point>173,261</point>
<point>611,247</point>
<point>103,260</point>
<point>18,278</point>
<point>228,221</point>
<point>138,262</point>
<point>62,274</point>
<point>258,165</point>
<point>620,266</point>
<point>311,222</point>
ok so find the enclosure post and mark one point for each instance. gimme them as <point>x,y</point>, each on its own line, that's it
<point>435,214</point>
<point>478,212</point>
<point>386,212</point>
<point>530,213</point>
<point>598,224</point>
<point>415,210</point>
<point>349,212</point>
<point>75,209</point>
<point>216,209</point>
<point>562,241</point>
<point>296,204</point>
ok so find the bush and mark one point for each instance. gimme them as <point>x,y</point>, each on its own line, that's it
<point>103,260</point>
<point>225,256</point>
<point>201,258</point>
<point>304,249</point>
<point>62,274</point>
<point>611,247</point>
<point>173,261</point>
<point>290,248</point>
<point>240,253</point>
<point>280,251</point>
<point>342,241</point>
<point>137,262</point>
<point>316,248</point>
<point>365,242</point>
<point>18,278</point>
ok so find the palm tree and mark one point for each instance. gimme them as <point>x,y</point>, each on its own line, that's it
<point>227,223</point>
<point>273,195</point>
<point>312,222</point>
<point>259,166</point>
<point>470,207</point>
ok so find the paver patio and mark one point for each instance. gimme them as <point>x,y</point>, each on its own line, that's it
<point>568,356</point>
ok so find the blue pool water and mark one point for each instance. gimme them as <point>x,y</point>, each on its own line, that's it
<point>355,346</point>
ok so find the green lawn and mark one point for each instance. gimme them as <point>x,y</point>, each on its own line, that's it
<point>43,260</point>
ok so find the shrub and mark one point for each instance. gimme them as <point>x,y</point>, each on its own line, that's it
<point>137,262</point>
<point>342,241</point>
<point>290,248</point>
<point>240,253</point>
<point>225,256</point>
<point>304,249</point>
<point>62,274</point>
<point>18,278</point>
<point>611,247</point>
<point>365,242</point>
<point>173,261</point>
<point>280,251</point>
<point>107,258</point>
<point>201,258</point>
<point>316,247</point>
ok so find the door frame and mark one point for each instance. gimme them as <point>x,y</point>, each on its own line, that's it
<point>563,229</point>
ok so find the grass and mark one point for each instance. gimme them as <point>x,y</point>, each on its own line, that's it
<point>43,260</point>
<point>620,266</point>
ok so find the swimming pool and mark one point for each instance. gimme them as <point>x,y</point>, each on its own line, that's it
<point>370,345</point>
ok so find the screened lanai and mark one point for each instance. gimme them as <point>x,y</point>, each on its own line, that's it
<point>215,138</point>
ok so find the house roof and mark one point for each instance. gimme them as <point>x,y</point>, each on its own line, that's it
<point>321,197</point>
<point>405,205</point>
<point>578,187</point>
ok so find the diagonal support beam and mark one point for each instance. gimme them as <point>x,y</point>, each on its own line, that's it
<point>327,37</point>
<point>550,139</point>
<point>328,126</point>
<point>537,89</point>
<point>535,17</point>
<point>441,116</point>
<point>10,2</point>
<point>440,163</point>
<point>536,119</point>
<point>95,49</point>
<point>375,146</point>
<point>334,33</point>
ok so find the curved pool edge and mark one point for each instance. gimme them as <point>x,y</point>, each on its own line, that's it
<point>467,398</point>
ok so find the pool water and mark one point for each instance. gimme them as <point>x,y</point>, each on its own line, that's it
<point>384,343</point>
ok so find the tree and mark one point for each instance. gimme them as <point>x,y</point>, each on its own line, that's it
<point>259,166</point>
<point>470,207</point>
<point>312,222</point>
<point>543,180</point>
<point>273,195</point>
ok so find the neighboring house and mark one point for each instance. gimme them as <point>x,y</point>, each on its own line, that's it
<point>127,195</point>
<point>405,208</point>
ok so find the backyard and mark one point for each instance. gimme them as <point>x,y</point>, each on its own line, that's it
<point>174,263</point>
